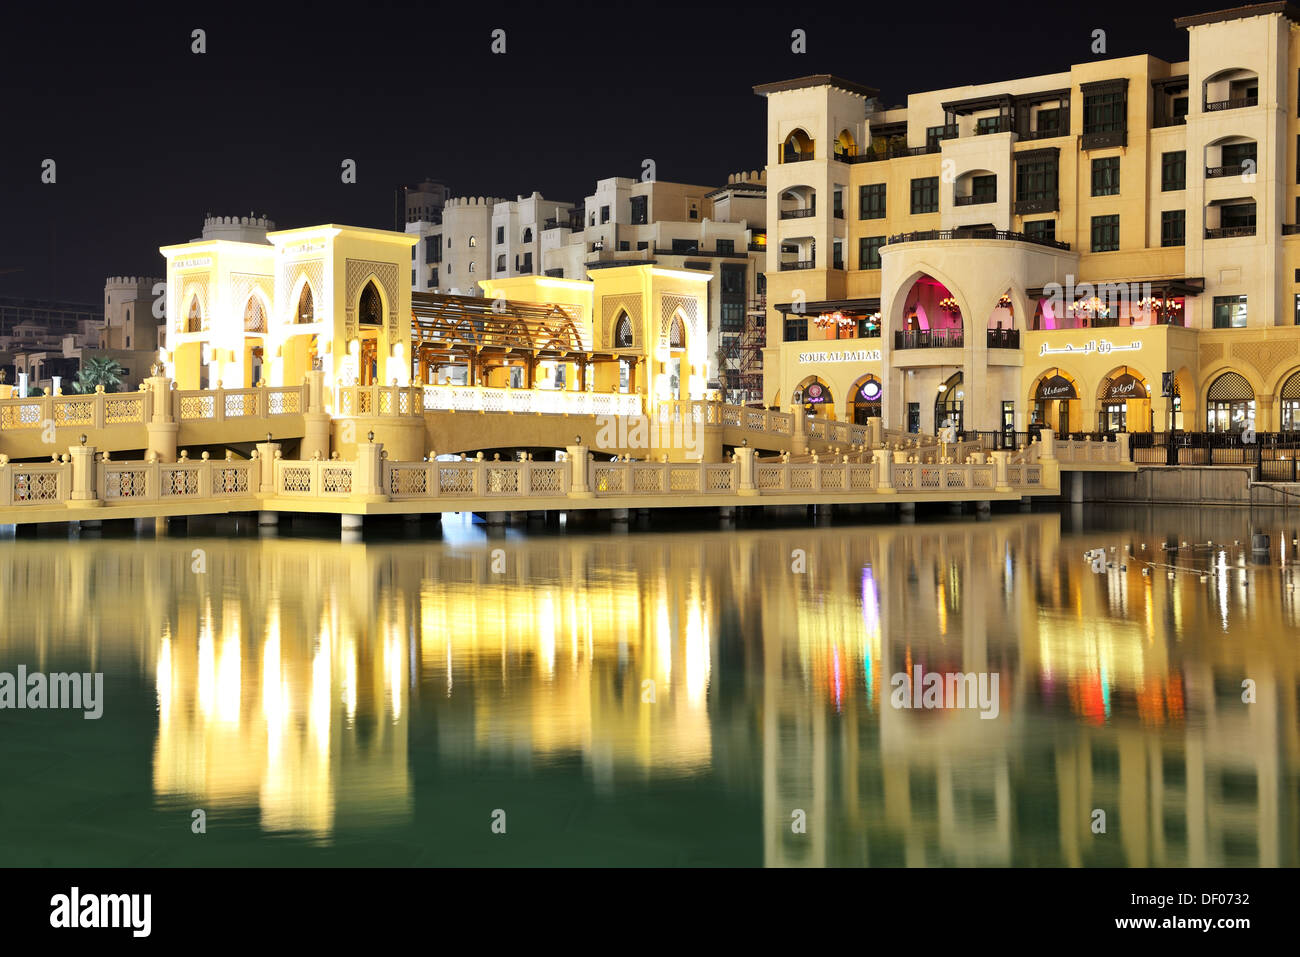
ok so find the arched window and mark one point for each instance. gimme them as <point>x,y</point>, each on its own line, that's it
<point>254,316</point>
<point>306,307</point>
<point>677,333</point>
<point>370,310</point>
<point>528,234</point>
<point>948,406</point>
<point>501,263</point>
<point>623,332</point>
<point>128,313</point>
<point>815,397</point>
<point>472,266</point>
<point>1230,404</point>
<point>194,321</point>
<point>1291,404</point>
<point>473,241</point>
<point>866,400</point>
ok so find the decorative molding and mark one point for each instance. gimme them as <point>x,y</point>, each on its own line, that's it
<point>187,285</point>
<point>1211,352</point>
<point>1264,356</point>
<point>610,306</point>
<point>668,306</point>
<point>357,272</point>
<point>287,279</point>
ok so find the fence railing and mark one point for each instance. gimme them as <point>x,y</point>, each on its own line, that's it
<point>159,481</point>
<point>221,404</point>
<point>102,409</point>
<point>437,398</point>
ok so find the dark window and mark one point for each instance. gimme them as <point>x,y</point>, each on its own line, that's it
<point>371,308</point>
<point>1049,122</point>
<point>1036,180</point>
<point>837,204</point>
<point>1237,216</point>
<point>1104,112</point>
<point>686,246</point>
<point>733,316</point>
<point>642,245</point>
<point>869,251</point>
<point>988,124</point>
<point>1229,312</point>
<point>1297,309</point>
<point>432,249</point>
<point>1173,227</point>
<point>1105,176</point>
<point>640,207</point>
<point>604,214</point>
<point>1239,154</point>
<point>796,328</point>
<point>624,245</point>
<point>925,195</point>
<point>871,201</point>
<point>1041,230</point>
<point>501,235</point>
<point>733,280</point>
<point>1105,233</point>
<point>984,188</point>
<point>1173,170</point>
<point>726,245</point>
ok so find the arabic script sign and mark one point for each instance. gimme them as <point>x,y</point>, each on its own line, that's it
<point>1100,346</point>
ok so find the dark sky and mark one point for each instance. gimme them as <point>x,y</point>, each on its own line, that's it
<point>149,137</point>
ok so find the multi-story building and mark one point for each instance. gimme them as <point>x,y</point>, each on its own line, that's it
<point>626,221</point>
<point>1117,231</point>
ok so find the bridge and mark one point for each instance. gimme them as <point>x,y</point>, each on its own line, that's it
<point>416,449</point>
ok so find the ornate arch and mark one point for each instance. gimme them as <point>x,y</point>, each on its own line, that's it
<point>358,272</point>
<point>898,298</point>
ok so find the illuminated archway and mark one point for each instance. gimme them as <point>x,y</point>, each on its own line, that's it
<point>949,404</point>
<point>1230,404</point>
<point>1056,398</point>
<point>815,397</point>
<point>865,400</point>
<point>797,146</point>
<point>1124,402</point>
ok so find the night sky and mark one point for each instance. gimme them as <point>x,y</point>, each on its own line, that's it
<point>149,137</point>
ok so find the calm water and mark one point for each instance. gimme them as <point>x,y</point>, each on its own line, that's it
<point>379,702</point>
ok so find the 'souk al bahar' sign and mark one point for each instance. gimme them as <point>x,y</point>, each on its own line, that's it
<point>857,355</point>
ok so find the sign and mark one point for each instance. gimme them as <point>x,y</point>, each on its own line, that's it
<point>859,355</point>
<point>1056,387</point>
<point>1167,385</point>
<point>815,393</point>
<point>870,391</point>
<point>193,262</point>
<point>1100,346</point>
<point>1125,386</point>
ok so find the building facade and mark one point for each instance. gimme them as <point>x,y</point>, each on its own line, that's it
<point>1109,248</point>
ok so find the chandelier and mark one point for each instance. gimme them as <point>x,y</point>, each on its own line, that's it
<point>1004,302</point>
<point>1092,307</point>
<point>949,304</point>
<point>836,318</point>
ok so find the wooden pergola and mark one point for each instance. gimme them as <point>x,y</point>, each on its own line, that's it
<point>485,334</point>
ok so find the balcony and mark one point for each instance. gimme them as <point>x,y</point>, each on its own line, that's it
<point>1290,229</point>
<point>794,156</point>
<point>974,200</point>
<point>1218,106</point>
<point>896,151</point>
<point>1103,140</point>
<point>1003,125</point>
<point>798,213</point>
<point>1003,338</point>
<point>798,264</point>
<point>931,235</point>
<point>1163,121</point>
<point>1047,204</point>
<point>1221,172</point>
<point>1230,232</point>
<point>929,339</point>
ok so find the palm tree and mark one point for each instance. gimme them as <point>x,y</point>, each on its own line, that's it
<point>96,372</point>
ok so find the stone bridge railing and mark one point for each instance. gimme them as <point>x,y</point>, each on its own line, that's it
<point>103,409</point>
<point>1074,452</point>
<point>87,481</point>
<point>416,400</point>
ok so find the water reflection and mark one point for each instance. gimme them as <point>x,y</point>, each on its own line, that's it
<point>333,689</point>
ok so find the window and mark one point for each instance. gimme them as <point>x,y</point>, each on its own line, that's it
<point>528,234</point>
<point>1049,122</point>
<point>925,195</point>
<point>473,241</point>
<point>1173,227</point>
<point>1229,312</point>
<point>642,245</point>
<point>501,263</point>
<point>694,212</point>
<point>988,124</point>
<point>624,245</point>
<point>837,204</point>
<point>733,316</point>
<point>984,189</point>
<point>1104,112</point>
<point>1296,311</point>
<point>1105,176</point>
<point>1105,233</point>
<point>869,251</point>
<point>1041,230</point>
<point>796,329</point>
<point>733,281</point>
<point>640,210</point>
<point>1173,171</point>
<point>371,309</point>
<point>726,246</point>
<point>686,246</point>
<point>1239,154</point>
<point>501,235</point>
<point>1237,216</point>
<point>871,201</point>
<point>604,214</point>
<point>1036,180</point>
<point>433,279</point>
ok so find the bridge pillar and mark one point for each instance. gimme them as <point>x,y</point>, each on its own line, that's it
<point>1076,488</point>
<point>368,486</point>
<point>1047,445</point>
<point>745,460</point>
<point>316,435</point>
<point>884,462</point>
<point>83,476</point>
<point>875,432</point>
<point>798,431</point>
<point>162,428</point>
<point>578,487</point>
<point>266,452</point>
<point>1000,480</point>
